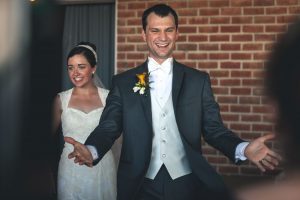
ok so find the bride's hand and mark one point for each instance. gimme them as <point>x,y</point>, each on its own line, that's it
<point>81,153</point>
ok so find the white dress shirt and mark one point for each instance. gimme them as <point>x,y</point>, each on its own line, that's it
<point>161,78</point>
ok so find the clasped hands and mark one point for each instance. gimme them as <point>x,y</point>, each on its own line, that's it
<point>81,153</point>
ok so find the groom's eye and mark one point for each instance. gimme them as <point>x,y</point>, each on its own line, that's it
<point>154,30</point>
<point>170,30</point>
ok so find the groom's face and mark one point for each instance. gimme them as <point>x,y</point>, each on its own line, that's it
<point>160,35</point>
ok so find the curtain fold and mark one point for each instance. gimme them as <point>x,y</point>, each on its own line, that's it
<point>93,23</point>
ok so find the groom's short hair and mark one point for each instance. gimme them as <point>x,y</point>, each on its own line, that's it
<point>161,10</point>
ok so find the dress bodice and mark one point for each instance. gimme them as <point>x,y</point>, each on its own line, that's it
<point>72,118</point>
<point>76,182</point>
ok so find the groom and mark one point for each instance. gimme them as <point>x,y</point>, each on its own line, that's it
<point>163,124</point>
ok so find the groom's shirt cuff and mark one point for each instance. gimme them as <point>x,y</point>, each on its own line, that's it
<point>93,151</point>
<point>240,151</point>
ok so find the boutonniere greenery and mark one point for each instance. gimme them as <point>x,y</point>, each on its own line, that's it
<point>142,84</point>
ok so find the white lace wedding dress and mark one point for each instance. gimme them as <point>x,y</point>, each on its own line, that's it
<point>81,182</point>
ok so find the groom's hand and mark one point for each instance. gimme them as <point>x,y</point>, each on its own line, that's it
<point>81,153</point>
<point>263,157</point>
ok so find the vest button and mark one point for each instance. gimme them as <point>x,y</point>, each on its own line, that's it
<point>164,155</point>
<point>163,128</point>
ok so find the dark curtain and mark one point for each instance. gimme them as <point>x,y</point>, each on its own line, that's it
<point>93,23</point>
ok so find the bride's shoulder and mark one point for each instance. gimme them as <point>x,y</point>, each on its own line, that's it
<point>103,91</point>
<point>65,92</point>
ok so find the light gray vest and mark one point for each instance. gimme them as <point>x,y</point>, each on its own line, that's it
<point>167,147</point>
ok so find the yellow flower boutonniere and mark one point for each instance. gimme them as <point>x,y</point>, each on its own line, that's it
<point>143,83</point>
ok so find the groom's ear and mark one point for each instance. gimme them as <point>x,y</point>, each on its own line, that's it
<point>177,34</point>
<point>144,35</point>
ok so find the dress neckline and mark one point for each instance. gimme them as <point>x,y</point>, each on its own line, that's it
<point>91,111</point>
<point>85,113</point>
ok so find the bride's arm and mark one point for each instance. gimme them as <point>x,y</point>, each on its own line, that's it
<point>56,114</point>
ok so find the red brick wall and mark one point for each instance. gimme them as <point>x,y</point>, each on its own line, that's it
<point>230,39</point>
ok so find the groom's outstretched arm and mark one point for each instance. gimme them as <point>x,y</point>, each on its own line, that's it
<point>111,122</point>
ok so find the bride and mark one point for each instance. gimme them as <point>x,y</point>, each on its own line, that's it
<point>78,110</point>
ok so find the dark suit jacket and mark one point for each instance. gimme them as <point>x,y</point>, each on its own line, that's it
<point>197,114</point>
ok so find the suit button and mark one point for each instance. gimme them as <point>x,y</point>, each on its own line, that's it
<point>164,155</point>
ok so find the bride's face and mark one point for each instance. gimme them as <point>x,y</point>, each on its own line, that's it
<point>80,70</point>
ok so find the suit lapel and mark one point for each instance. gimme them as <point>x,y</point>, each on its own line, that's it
<point>146,98</point>
<point>178,75</point>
